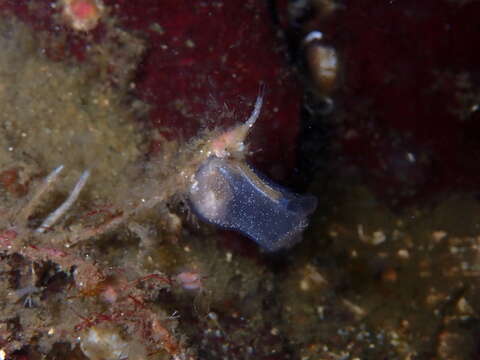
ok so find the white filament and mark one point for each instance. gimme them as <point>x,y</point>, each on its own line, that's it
<point>62,209</point>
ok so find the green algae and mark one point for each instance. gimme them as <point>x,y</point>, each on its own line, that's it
<point>66,113</point>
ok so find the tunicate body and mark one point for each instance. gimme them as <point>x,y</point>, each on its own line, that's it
<point>230,194</point>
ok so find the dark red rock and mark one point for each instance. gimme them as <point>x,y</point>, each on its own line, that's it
<point>402,94</point>
<point>203,68</point>
<point>410,80</point>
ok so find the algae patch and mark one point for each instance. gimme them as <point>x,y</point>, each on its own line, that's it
<point>67,113</point>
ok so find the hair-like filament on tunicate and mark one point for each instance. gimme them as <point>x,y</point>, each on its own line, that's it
<point>231,142</point>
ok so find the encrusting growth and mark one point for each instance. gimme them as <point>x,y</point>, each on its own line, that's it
<point>127,298</point>
<point>53,241</point>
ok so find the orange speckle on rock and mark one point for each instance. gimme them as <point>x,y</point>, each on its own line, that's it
<point>9,179</point>
<point>390,276</point>
<point>82,15</point>
<point>83,9</point>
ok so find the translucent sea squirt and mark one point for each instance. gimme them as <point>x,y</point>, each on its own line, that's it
<point>229,194</point>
